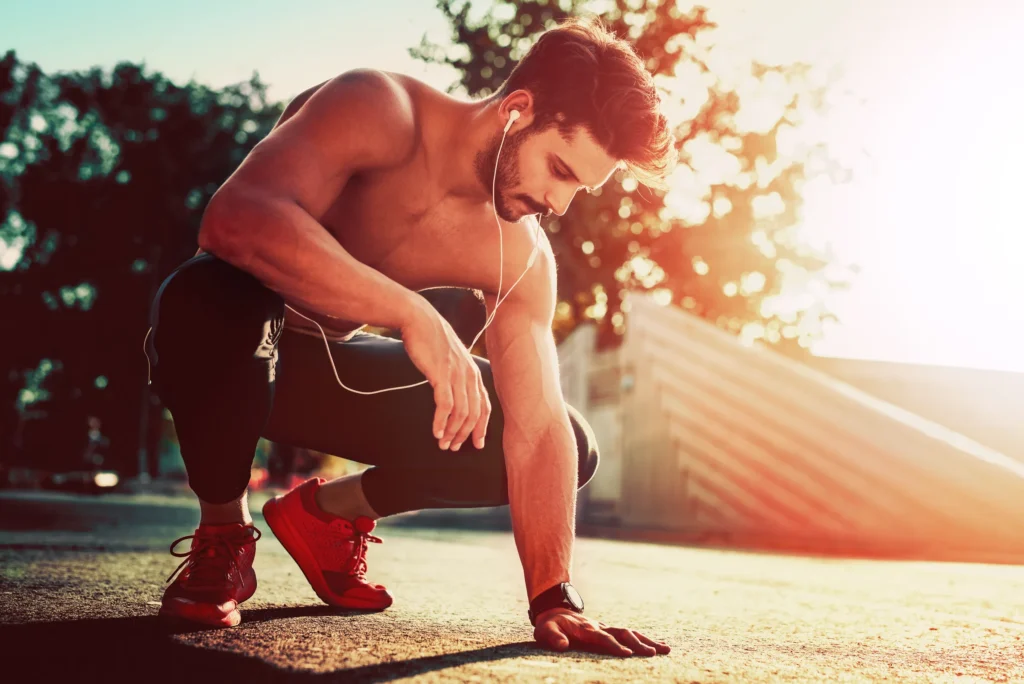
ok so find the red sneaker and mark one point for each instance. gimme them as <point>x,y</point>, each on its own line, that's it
<point>330,550</point>
<point>216,575</point>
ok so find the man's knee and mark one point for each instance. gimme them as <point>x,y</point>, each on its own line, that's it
<point>586,444</point>
<point>211,305</point>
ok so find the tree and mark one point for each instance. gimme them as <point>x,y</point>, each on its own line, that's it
<point>104,179</point>
<point>725,248</point>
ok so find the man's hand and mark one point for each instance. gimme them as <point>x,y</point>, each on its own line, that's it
<point>462,404</point>
<point>560,629</point>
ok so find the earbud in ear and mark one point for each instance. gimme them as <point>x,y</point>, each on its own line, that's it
<point>512,116</point>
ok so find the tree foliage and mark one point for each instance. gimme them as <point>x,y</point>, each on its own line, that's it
<point>723,242</point>
<point>104,178</point>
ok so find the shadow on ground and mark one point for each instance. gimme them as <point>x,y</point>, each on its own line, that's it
<point>144,649</point>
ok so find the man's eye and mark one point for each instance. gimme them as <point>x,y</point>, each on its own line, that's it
<point>559,175</point>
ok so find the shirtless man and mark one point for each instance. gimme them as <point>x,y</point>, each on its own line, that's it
<point>371,188</point>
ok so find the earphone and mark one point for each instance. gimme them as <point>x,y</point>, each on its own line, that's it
<point>512,118</point>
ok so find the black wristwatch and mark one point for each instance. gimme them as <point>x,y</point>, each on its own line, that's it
<point>562,595</point>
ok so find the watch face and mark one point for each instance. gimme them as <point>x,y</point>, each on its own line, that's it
<point>572,596</point>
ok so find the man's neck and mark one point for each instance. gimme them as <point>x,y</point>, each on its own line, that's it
<point>464,130</point>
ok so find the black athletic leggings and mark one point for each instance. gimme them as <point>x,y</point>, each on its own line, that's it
<point>229,373</point>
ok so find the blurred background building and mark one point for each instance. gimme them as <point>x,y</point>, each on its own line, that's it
<point>705,438</point>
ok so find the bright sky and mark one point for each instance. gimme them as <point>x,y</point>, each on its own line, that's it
<point>933,214</point>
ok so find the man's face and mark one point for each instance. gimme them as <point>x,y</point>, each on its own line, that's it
<point>540,173</point>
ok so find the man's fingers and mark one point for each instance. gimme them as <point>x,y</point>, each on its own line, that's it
<point>656,645</point>
<point>601,641</point>
<point>473,404</point>
<point>459,408</point>
<point>589,635</point>
<point>443,402</point>
<point>548,634</point>
<point>629,639</point>
<point>609,644</point>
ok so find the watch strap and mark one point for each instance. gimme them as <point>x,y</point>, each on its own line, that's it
<point>554,597</point>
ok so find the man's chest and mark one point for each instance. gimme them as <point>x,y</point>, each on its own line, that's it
<point>416,239</point>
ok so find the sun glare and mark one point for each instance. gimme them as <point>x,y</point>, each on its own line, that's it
<point>920,186</point>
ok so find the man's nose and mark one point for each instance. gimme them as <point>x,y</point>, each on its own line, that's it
<point>559,204</point>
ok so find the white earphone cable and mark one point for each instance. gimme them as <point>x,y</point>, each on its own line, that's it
<point>513,116</point>
<point>334,368</point>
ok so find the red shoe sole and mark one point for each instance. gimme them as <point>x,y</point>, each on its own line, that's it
<point>297,548</point>
<point>203,613</point>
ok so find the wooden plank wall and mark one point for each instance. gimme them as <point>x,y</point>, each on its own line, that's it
<point>722,439</point>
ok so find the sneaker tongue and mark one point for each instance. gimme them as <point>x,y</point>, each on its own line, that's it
<point>211,563</point>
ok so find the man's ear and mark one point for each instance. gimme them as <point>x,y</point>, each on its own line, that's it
<point>522,101</point>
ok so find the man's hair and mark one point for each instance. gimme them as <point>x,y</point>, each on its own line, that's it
<point>581,74</point>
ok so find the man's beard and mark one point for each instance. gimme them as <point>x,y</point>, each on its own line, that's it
<point>508,172</point>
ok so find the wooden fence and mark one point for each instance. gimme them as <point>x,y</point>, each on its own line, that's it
<point>702,437</point>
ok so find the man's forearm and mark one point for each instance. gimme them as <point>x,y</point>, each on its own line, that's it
<point>542,480</point>
<point>287,250</point>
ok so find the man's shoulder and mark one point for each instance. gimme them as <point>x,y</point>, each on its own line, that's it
<point>363,112</point>
<point>377,87</point>
<point>413,87</point>
<point>397,102</point>
<point>399,89</point>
